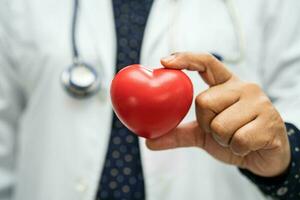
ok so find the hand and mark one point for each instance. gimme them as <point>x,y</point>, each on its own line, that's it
<point>236,122</point>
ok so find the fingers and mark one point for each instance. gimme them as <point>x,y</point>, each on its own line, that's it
<point>249,138</point>
<point>186,135</point>
<point>228,113</point>
<point>226,123</point>
<point>213,101</point>
<point>211,69</point>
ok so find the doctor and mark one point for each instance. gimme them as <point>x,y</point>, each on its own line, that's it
<point>57,147</point>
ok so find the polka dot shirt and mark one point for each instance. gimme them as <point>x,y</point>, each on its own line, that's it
<point>122,176</point>
<point>286,186</point>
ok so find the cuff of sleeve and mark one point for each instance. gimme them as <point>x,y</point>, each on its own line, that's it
<point>285,186</point>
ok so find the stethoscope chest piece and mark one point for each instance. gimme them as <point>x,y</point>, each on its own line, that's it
<point>80,80</point>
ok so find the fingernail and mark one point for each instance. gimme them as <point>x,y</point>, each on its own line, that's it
<point>219,140</point>
<point>168,58</point>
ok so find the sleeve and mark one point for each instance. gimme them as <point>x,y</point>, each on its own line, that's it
<point>286,186</point>
<point>11,105</point>
<point>280,74</point>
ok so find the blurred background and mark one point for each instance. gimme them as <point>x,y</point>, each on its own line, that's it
<point>59,136</point>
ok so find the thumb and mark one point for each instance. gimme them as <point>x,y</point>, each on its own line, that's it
<point>210,68</point>
<point>186,135</point>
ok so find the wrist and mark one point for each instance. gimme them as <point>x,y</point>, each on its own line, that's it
<point>286,182</point>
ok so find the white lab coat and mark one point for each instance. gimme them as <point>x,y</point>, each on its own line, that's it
<point>52,146</point>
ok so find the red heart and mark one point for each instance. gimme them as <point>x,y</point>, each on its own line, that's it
<point>151,102</point>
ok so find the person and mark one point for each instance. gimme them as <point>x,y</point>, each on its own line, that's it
<point>246,113</point>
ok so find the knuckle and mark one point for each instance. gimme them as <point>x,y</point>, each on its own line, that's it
<point>239,144</point>
<point>219,140</point>
<point>251,88</point>
<point>210,59</point>
<point>256,91</point>
<point>277,144</point>
<point>203,100</point>
<point>218,127</point>
<point>264,100</point>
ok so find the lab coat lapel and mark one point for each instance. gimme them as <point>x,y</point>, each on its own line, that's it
<point>99,22</point>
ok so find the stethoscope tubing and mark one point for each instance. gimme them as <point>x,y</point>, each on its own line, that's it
<point>76,90</point>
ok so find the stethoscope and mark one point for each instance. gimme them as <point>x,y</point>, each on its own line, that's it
<point>81,80</point>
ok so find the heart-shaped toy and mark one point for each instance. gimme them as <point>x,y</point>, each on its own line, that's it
<point>149,102</point>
